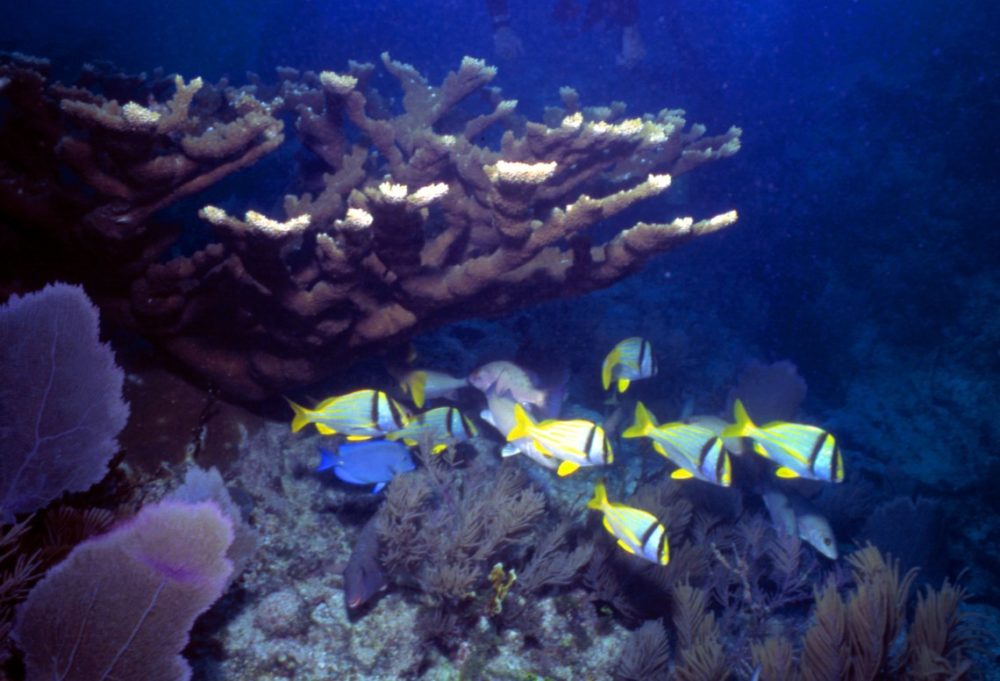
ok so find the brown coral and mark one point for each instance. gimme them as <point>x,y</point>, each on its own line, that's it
<point>412,223</point>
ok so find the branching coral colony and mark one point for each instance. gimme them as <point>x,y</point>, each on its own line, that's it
<point>410,222</point>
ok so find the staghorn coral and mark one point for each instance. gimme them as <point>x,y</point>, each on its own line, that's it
<point>430,228</point>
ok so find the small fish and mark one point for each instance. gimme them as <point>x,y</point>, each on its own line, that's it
<point>801,451</point>
<point>358,415</point>
<point>794,515</point>
<point>425,384</point>
<point>637,531</point>
<point>441,427</point>
<point>574,443</point>
<point>507,378</point>
<point>365,463</point>
<point>628,361</point>
<point>697,451</point>
<point>499,413</point>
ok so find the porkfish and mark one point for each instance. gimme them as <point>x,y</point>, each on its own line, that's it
<point>574,443</point>
<point>628,361</point>
<point>358,415</point>
<point>638,532</point>
<point>425,384</point>
<point>441,427</point>
<point>499,413</point>
<point>696,451</point>
<point>373,462</point>
<point>799,450</point>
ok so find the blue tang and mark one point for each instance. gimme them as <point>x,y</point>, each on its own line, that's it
<point>369,462</point>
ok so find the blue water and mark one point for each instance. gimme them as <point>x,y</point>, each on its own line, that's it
<point>867,250</point>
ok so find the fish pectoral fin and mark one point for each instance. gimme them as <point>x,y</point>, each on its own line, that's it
<point>681,474</point>
<point>378,487</point>
<point>567,468</point>
<point>621,543</point>
<point>325,429</point>
<point>437,449</point>
<point>623,384</point>
<point>786,473</point>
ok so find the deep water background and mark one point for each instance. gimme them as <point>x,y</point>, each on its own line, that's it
<point>867,248</point>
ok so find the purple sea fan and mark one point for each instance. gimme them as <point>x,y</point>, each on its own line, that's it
<point>121,605</point>
<point>61,404</point>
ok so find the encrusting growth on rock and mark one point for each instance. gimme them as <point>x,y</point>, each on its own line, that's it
<point>413,220</point>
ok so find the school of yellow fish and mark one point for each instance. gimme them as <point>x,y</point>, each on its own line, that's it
<point>699,447</point>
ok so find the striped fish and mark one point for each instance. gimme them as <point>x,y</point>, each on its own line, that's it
<point>800,451</point>
<point>697,451</point>
<point>628,361</point>
<point>440,427</point>
<point>637,531</point>
<point>574,443</point>
<point>359,415</point>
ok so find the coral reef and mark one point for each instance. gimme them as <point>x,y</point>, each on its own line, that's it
<point>410,223</point>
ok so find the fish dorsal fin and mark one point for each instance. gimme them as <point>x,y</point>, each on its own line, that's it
<point>325,429</point>
<point>786,473</point>
<point>567,468</point>
<point>681,474</point>
<point>621,543</point>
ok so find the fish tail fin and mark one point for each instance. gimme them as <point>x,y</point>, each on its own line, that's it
<point>301,418</point>
<point>644,422</point>
<point>743,424</point>
<point>418,388</point>
<point>522,424</point>
<point>609,363</point>
<point>600,499</point>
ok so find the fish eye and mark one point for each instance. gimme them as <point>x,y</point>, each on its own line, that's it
<point>826,540</point>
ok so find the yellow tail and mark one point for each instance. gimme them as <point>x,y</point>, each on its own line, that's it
<point>418,386</point>
<point>644,422</point>
<point>600,499</point>
<point>522,424</point>
<point>609,363</point>
<point>301,418</point>
<point>743,425</point>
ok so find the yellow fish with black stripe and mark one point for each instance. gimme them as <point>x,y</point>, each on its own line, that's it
<point>574,442</point>
<point>630,360</point>
<point>441,427</point>
<point>801,451</point>
<point>697,451</point>
<point>637,531</point>
<point>359,415</point>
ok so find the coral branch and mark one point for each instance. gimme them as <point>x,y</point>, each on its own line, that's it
<point>406,221</point>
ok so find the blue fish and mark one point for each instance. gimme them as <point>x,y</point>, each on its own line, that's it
<point>369,462</point>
